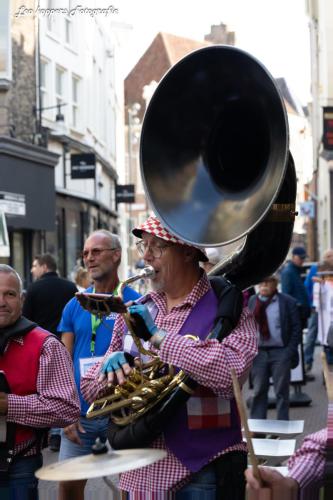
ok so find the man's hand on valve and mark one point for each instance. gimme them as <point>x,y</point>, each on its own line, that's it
<point>116,367</point>
<point>144,326</point>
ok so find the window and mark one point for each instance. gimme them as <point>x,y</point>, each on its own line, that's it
<point>75,100</point>
<point>50,20</point>
<point>101,113</point>
<point>60,87</point>
<point>44,68</point>
<point>68,30</point>
<point>94,103</point>
<point>5,41</point>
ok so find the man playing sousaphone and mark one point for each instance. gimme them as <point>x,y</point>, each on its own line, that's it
<point>206,455</point>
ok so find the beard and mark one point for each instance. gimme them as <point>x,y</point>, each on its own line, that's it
<point>157,286</point>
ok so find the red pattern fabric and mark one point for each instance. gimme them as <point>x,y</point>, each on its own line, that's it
<point>261,316</point>
<point>208,362</point>
<point>56,402</point>
<point>307,464</point>
<point>206,411</point>
<point>153,226</point>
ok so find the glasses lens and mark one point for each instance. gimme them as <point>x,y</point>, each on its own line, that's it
<point>155,250</point>
<point>140,247</point>
<point>95,252</point>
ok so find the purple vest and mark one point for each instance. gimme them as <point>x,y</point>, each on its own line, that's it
<point>195,448</point>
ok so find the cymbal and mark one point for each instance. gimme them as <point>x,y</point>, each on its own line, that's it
<point>89,466</point>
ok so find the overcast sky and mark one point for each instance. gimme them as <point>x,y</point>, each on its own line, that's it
<point>274,31</point>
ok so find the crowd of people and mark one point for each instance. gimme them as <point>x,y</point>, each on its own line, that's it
<point>69,357</point>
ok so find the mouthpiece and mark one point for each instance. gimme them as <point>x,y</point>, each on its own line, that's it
<point>147,272</point>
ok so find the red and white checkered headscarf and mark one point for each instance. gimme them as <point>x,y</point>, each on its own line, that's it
<point>153,226</point>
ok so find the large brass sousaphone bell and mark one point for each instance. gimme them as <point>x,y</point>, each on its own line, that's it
<point>214,156</point>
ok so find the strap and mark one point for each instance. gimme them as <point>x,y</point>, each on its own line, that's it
<point>230,306</point>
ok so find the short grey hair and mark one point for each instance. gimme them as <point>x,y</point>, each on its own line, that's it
<point>114,238</point>
<point>4,268</point>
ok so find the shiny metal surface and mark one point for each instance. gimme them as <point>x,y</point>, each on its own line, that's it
<point>214,146</point>
<point>88,466</point>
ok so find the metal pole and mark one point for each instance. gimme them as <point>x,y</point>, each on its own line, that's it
<point>64,151</point>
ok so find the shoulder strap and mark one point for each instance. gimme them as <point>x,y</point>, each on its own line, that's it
<point>229,309</point>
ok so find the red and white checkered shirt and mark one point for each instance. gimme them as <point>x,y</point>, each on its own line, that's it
<point>306,465</point>
<point>56,402</point>
<point>208,362</point>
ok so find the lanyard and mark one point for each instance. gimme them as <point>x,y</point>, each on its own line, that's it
<point>95,322</point>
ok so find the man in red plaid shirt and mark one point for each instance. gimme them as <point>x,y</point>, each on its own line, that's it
<point>204,439</point>
<point>37,390</point>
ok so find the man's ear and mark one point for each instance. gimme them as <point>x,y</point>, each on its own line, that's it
<point>117,256</point>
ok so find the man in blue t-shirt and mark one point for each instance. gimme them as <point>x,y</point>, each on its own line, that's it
<point>87,338</point>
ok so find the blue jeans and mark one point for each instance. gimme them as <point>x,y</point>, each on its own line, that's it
<point>223,479</point>
<point>275,363</point>
<point>55,431</point>
<point>94,428</point>
<point>201,487</point>
<point>21,483</point>
<point>311,338</point>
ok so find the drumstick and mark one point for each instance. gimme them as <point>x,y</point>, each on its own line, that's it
<point>243,417</point>
<point>328,376</point>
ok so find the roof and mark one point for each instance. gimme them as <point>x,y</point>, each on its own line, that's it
<point>177,47</point>
<point>164,51</point>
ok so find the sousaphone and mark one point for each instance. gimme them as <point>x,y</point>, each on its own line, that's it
<point>216,168</point>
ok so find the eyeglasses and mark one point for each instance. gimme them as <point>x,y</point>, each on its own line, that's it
<point>95,252</point>
<point>155,250</point>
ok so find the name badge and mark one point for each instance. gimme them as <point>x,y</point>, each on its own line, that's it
<point>87,363</point>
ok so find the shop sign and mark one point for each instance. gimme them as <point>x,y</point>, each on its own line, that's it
<point>12,203</point>
<point>125,193</point>
<point>83,166</point>
<point>328,128</point>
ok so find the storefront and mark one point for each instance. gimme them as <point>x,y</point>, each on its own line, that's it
<point>27,198</point>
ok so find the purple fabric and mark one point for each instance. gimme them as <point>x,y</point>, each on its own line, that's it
<point>195,448</point>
